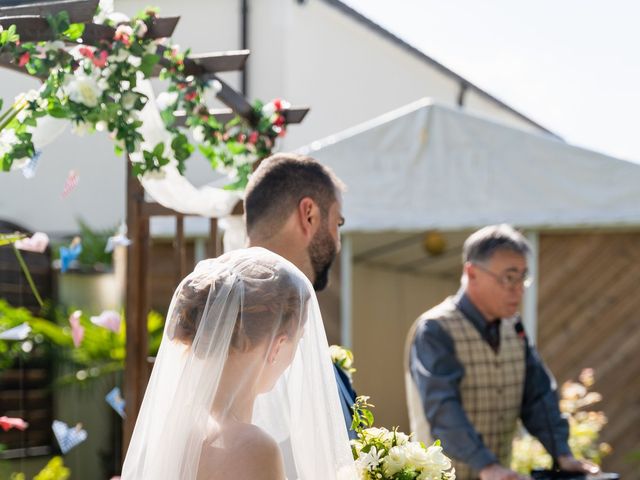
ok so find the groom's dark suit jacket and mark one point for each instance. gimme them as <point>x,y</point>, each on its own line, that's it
<point>347,397</point>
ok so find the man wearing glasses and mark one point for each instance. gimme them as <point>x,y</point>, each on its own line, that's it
<point>471,373</point>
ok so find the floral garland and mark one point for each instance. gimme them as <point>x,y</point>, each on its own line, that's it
<point>95,88</point>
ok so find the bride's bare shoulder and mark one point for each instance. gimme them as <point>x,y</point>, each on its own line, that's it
<point>247,451</point>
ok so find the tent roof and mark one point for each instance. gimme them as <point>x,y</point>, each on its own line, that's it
<point>428,166</point>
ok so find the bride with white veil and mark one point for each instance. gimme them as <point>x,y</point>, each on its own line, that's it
<point>243,385</point>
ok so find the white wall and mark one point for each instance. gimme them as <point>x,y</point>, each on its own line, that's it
<point>311,54</point>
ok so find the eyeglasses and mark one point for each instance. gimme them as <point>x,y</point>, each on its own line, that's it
<point>508,279</point>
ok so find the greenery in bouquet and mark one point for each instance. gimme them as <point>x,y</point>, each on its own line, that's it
<point>584,428</point>
<point>53,470</point>
<point>382,454</point>
<point>96,88</point>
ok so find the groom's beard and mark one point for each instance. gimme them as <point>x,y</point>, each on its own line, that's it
<point>322,252</point>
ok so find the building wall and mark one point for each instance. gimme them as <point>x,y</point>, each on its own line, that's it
<point>311,54</point>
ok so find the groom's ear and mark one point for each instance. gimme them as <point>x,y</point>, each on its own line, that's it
<point>308,216</point>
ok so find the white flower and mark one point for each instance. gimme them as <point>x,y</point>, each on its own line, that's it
<point>121,56</point>
<point>438,459</point>
<point>103,84</point>
<point>83,89</point>
<point>395,460</point>
<point>135,61</point>
<point>141,28</point>
<point>128,100</point>
<point>22,115</point>
<point>198,134</point>
<point>154,175</point>
<point>338,354</point>
<point>369,460</point>
<point>151,48</point>
<point>8,139</point>
<point>101,126</point>
<point>268,109</point>
<point>80,128</point>
<point>125,85</point>
<point>166,100</point>
<point>124,30</point>
<point>416,455</point>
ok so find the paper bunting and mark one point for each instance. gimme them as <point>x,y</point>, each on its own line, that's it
<point>77,330</point>
<point>37,243</point>
<point>108,319</point>
<point>119,239</point>
<point>7,423</point>
<point>114,398</point>
<point>18,333</point>
<point>29,170</point>
<point>70,183</point>
<point>68,437</point>
<point>70,253</point>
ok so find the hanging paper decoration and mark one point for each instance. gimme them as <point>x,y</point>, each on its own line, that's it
<point>118,240</point>
<point>7,423</point>
<point>37,243</point>
<point>114,398</point>
<point>70,183</point>
<point>18,333</point>
<point>70,253</point>
<point>108,319</point>
<point>77,330</point>
<point>29,170</point>
<point>68,437</point>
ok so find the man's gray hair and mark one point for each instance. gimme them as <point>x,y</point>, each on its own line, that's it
<point>482,244</point>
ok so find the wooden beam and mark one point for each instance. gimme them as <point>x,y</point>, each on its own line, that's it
<point>180,249</point>
<point>80,11</point>
<point>137,305</point>
<point>234,100</point>
<point>212,241</point>
<point>31,28</point>
<point>230,61</point>
<point>154,209</point>
<point>223,115</point>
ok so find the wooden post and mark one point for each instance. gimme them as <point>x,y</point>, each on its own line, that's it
<point>180,249</point>
<point>136,373</point>
<point>212,243</point>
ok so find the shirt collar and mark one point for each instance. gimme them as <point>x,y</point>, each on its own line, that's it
<point>469,310</point>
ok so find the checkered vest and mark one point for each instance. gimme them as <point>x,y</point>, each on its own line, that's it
<point>491,389</point>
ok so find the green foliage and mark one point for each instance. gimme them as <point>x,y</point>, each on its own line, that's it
<point>93,253</point>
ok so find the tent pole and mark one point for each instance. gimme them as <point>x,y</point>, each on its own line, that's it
<point>530,302</point>
<point>346,274</point>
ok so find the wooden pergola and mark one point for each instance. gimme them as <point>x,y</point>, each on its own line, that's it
<point>31,23</point>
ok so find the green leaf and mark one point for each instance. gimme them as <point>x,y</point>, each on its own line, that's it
<point>9,238</point>
<point>148,62</point>
<point>74,32</point>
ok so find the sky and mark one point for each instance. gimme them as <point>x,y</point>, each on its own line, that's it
<point>571,65</point>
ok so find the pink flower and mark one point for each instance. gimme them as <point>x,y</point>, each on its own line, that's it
<point>253,138</point>
<point>190,96</point>
<point>7,423</point>
<point>278,104</point>
<point>86,51</point>
<point>101,60</point>
<point>24,59</point>
<point>123,34</point>
<point>77,330</point>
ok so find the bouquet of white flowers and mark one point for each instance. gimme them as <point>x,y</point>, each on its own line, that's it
<point>383,454</point>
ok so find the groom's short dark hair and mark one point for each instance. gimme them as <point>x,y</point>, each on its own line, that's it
<point>277,186</point>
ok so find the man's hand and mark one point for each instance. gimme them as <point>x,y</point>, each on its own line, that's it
<point>498,472</point>
<point>571,464</point>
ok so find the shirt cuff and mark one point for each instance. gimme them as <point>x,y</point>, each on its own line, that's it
<point>481,458</point>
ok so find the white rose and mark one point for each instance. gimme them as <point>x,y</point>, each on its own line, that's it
<point>83,89</point>
<point>8,139</point>
<point>121,56</point>
<point>134,61</point>
<point>268,109</point>
<point>101,126</point>
<point>141,28</point>
<point>402,438</point>
<point>125,85</point>
<point>151,48</point>
<point>166,100</point>
<point>395,461</point>
<point>198,134</point>
<point>437,459</point>
<point>128,100</point>
<point>416,455</point>
<point>338,354</point>
<point>103,84</point>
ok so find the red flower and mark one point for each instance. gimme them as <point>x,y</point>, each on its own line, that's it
<point>280,121</point>
<point>282,132</point>
<point>181,86</point>
<point>278,104</point>
<point>24,59</point>
<point>101,60</point>
<point>253,138</point>
<point>190,96</point>
<point>86,51</point>
<point>241,138</point>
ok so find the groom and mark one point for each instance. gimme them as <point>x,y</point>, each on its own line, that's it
<point>293,207</point>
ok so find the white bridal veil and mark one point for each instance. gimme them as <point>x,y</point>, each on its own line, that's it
<point>241,327</point>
